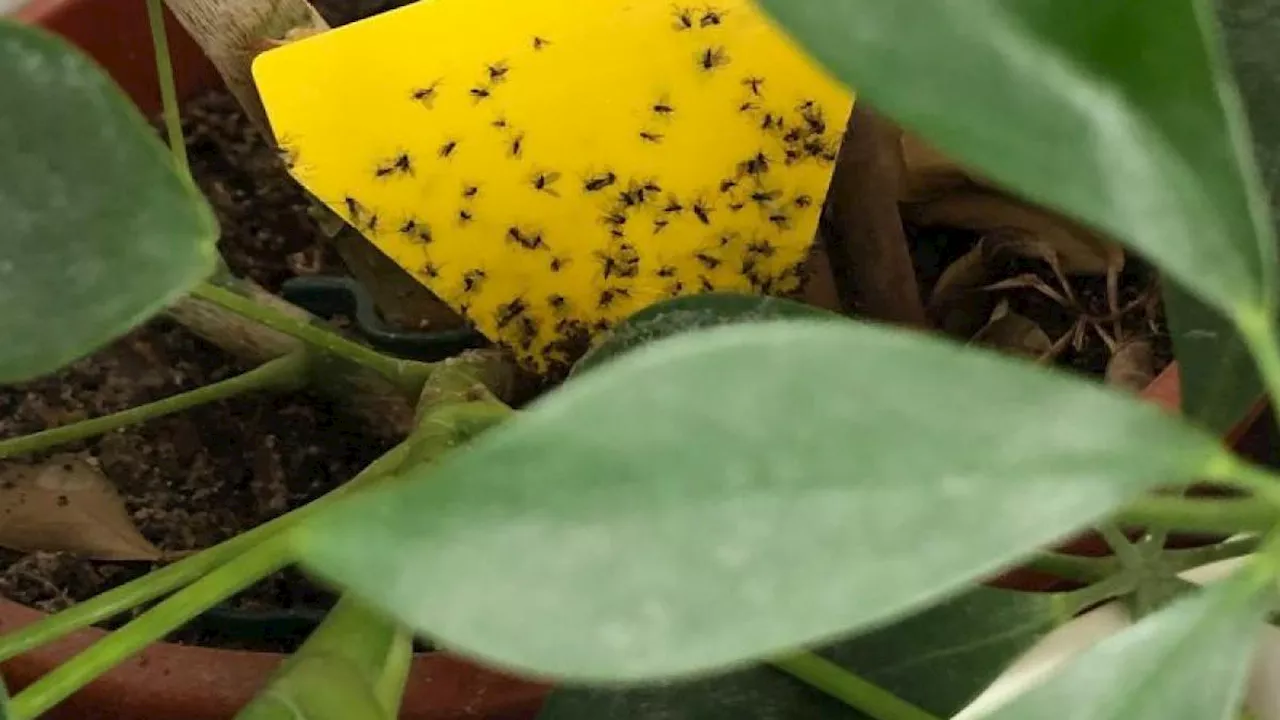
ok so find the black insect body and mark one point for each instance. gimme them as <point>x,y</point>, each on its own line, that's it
<point>431,270</point>
<point>542,181</point>
<point>710,262</point>
<point>472,280</point>
<point>711,17</point>
<point>372,223</point>
<point>794,136</point>
<point>754,84</point>
<point>749,106</point>
<point>464,217</point>
<point>508,312</point>
<point>427,94</point>
<point>446,150</point>
<point>557,302</point>
<point>666,271</point>
<point>609,295</point>
<point>713,58</point>
<point>500,123</point>
<point>772,122</point>
<point>727,185</point>
<point>540,42</point>
<point>683,19</point>
<point>615,219</point>
<point>355,211</point>
<point>707,285</point>
<point>557,264</point>
<point>527,330</point>
<point>631,197</point>
<point>673,206</point>
<point>761,247</point>
<point>663,108</point>
<point>736,205</point>
<point>756,166</point>
<point>765,197</point>
<point>526,240</point>
<point>416,230</point>
<point>802,201</point>
<point>497,72</point>
<point>651,137</point>
<point>813,118</point>
<point>480,92</point>
<point>401,165</point>
<point>781,220</point>
<point>660,224</point>
<point>517,145</point>
<point>793,156</point>
<point>676,289</point>
<point>703,212</point>
<point>596,183</point>
<point>469,192</point>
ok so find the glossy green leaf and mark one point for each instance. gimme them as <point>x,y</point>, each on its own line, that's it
<point>693,312</point>
<point>353,667</point>
<point>1121,114</point>
<point>729,494</point>
<point>939,660</point>
<point>1189,660</point>
<point>100,230</point>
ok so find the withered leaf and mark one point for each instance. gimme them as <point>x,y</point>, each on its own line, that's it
<point>1015,334</point>
<point>66,504</point>
<point>1132,366</point>
<point>1023,229</point>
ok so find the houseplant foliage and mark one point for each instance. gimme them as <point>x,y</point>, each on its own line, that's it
<point>710,505</point>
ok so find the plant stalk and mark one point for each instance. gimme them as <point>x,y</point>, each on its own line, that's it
<point>149,627</point>
<point>1227,516</point>
<point>407,375</point>
<point>1186,559</point>
<point>168,89</point>
<point>282,374</point>
<point>859,694</point>
<point>1072,567</point>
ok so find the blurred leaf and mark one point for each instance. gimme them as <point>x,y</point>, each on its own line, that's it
<point>353,667</point>
<point>678,510</point>
<point>67,504</point>
<point>939,660</point>
<point>1189,660</point>
<point>693,312</point>
<point>1220,382</point>
<point>1013,333</point>
<point>1120,114</point>
<point>100,230</point>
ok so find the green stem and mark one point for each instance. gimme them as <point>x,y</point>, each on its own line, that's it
<point>168,90</point>
<point>285,373</point>
<point>405,374</point>
<point>1124,550</point>
<point>179,574</point>
<point>859,694</point>
<point>1077,601</point>
<point>1072,567</point>
<point>1186,559</point>
<point>1229,516</point>
<point>149,627</point>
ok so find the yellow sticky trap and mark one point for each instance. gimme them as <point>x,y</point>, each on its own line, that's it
<point>548,167</point>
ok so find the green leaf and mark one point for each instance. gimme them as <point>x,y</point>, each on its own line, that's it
<point>100,230</point>
<point>727,495</point>
<point>1189,660</point>
<point>939,660</point>
<point>1220,381</point>
<point>693,312</point>
<point>1121,114</point>
<point>353,667</point>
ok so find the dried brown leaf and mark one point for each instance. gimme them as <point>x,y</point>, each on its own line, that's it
<point>66,504</point>
<point>1013,333</point>
<point>957,304</point>
<point>1132,366</point>
<point>927,173</point>
<point>1023,229</point>
<point>1030,281</point>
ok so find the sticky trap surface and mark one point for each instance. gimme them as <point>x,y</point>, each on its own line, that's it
<point>550,166</point>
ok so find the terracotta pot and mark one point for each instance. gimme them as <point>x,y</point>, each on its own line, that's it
<point>176,681</point>
<point>1250,437</point>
